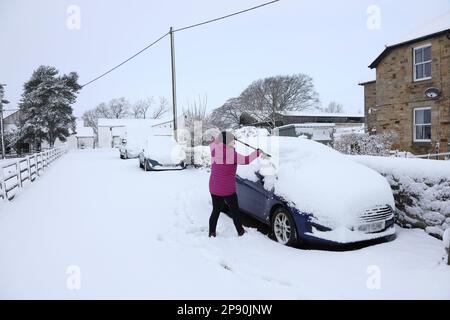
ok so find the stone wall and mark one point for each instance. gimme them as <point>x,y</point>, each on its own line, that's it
<point>370,95</point>
<point>421,190</point>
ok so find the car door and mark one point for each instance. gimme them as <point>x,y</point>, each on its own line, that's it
<point>252,196</point>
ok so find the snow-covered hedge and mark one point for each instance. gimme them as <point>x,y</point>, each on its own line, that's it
<point>421,190</point>
<point>365,144</point>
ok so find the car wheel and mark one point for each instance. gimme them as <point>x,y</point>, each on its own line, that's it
<point>283,227</point>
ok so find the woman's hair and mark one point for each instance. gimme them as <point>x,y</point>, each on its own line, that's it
<point>225,137</point>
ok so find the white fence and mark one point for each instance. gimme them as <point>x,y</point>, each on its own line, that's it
<point>15,173</point>
<point>445,155</point>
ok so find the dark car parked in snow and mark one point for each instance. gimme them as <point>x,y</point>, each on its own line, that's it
<point>317,196</point>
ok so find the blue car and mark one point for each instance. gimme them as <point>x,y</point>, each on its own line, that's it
<point>317,196</point>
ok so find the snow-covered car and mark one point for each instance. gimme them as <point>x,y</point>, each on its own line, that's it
<point>315,194</point>
<point>129,150</point>
<point>162,153</point>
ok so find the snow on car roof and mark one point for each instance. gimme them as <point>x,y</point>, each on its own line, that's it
<point>164,149</point>
<point>318,179</point>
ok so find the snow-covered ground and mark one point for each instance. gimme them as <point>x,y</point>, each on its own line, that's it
<point>136,234</point>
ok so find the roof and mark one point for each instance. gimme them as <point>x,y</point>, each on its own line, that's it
<point>320,114</point>
<point>104,122</point>
<point>308,125</point>
<point>367,82</point>
<point>438,26</point>
<point>8,114</point>
<point>84,132</point>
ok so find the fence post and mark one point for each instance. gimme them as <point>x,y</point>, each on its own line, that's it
<point>29,168</point>
<point>37,164</point>
<point>3,183</point>
<point>19,174</point>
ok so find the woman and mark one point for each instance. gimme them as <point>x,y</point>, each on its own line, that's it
<point>222,182</point>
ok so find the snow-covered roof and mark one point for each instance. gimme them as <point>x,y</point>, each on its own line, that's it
<point>320,114</point>
<point>105,122</point>
<point>436,26</point>
<point>84,132</point>
<point>308,125</point>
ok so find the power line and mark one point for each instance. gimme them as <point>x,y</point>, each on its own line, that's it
<point>176,30</point>
<point>224,17</point>
<point>125,61</point>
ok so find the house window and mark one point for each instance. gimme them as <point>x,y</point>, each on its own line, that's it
<point>422,124</point>
<point>422,62</point>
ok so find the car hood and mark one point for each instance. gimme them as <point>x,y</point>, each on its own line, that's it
<point>320,181</point>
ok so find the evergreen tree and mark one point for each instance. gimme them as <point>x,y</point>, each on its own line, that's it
<point>45,108</point>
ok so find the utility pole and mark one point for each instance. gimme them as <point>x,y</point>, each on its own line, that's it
<point>2,131</point>
<point>174,83</point>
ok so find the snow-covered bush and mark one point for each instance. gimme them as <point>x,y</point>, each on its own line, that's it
<point>365,144</point>
<point>421,190</point>
<point>199,156</point>
<point>250,132</point>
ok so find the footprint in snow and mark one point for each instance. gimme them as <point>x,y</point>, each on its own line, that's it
<point>224,265</point>
<point>280,282</point>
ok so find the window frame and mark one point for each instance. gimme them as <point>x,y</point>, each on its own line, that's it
<point>422,63</point>
<point>422,124</point>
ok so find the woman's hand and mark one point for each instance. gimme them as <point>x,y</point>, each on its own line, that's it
<point>262,154</point>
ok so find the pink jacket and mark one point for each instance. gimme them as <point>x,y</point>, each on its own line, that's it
<point>224,161</point>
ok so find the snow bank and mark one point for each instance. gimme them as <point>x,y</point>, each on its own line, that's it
<point>414,168</point>
<point>446,238</point>
<point>317,179</point>
<point>202,156</point>
<point>421,190</point>
<point>145,236</point>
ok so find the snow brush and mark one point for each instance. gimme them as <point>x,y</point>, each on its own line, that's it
<point>246,144</point>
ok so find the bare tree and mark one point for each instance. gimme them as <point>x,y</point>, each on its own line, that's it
<point>103,111</point>
<point>161,109</point>
<point>136,110</point>
<point>90,118</point>
<point>140,108</point>
<point>195,111</point>
<point>195,114</point>
<point>119,108</point>
<point>228,115</point>
<point>264,98</point>
<point>334,107</point>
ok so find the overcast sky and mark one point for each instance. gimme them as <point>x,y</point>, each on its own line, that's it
<point>329,40</point>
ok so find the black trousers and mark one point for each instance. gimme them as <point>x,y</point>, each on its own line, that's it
<point>218,203</point>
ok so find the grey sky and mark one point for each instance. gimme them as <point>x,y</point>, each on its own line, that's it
<point>329,40</point>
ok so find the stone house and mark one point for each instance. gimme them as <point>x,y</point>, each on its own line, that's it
<point>411,93</point>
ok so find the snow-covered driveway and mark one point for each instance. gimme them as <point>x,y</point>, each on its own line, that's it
<point>136,234</point>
